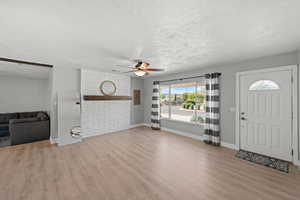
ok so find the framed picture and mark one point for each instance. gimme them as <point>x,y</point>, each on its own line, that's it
<point>136,97</point>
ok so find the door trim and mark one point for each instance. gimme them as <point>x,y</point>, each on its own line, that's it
<point>295,138</point>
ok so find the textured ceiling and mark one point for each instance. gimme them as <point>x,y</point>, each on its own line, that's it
<point>176,35</point>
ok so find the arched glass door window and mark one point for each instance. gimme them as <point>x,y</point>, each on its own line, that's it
<point>264,85</point>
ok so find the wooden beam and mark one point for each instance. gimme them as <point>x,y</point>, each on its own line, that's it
<point>25,62</point>
<point>105,98</point>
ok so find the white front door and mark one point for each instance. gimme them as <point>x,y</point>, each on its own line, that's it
<point>266,113</point>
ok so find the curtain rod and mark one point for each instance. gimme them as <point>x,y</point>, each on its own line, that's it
<point>180,79</point>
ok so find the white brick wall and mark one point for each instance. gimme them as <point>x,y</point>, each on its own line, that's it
<point>100,117</point>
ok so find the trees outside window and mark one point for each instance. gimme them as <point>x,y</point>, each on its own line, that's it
<point>183,102</point>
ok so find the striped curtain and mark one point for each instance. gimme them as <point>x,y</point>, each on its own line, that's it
<point>155,112</point>
<point>212,110</point>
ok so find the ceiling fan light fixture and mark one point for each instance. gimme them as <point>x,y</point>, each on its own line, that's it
<point>140,73</point>
<point>144,65</point>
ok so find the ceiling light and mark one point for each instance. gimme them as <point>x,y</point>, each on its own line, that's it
<point>144,65</point>
<point>140,73</point>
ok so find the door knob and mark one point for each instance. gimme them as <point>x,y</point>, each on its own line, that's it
<point>243,118</point>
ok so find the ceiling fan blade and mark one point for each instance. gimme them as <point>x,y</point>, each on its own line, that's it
<point>154,69</point>
<point>125,66</point>
<point>138,51</point>
<point>129,71</point>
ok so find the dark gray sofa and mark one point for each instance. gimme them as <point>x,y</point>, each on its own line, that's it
<point>25,127</point>
<point>4,123</point>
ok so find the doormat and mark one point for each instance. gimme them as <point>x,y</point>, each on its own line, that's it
<point>267,161</point>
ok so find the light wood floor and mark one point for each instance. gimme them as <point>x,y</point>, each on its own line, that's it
<point>138,164</point>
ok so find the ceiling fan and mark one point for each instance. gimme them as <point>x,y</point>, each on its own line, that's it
<point>138,66</point>
<point>142,68</point>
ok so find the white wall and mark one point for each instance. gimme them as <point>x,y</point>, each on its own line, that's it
<point>20,94</point>
<point>64,81</point>
<point>117,117</point>
<point>137,111</point>
<point>298,107</point>
<point>227,89</point>
<point>100,117</point>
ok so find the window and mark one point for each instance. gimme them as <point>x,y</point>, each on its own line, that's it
<point>164,101</point>
<point>264,85</point>
<point>183,101</point>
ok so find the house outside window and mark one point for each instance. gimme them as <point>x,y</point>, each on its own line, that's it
<point>183,101</point>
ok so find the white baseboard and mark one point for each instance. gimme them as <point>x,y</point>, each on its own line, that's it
<point>197,137</point>
<point>111,132</point>
<point>137,125</point>
<point>98,134</point>
<point>297,163</point>
<point>181,133</point>
<point>147,125</point>
<point>190,135</point>
<point>229,145</point>
<point>53,140</point>
<point>56,141</point>
<point>72,141</point>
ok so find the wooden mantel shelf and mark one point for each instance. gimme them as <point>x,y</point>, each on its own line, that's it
<point>105,98</point>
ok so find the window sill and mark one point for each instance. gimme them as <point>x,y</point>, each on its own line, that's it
<point>184,122</point>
